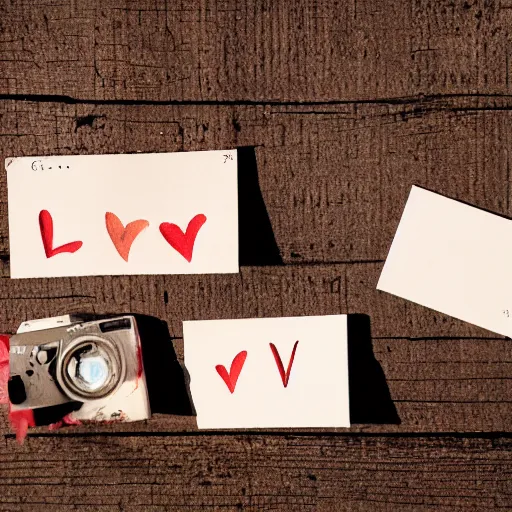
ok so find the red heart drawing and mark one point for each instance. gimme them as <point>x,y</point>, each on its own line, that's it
<point>46,226</point>
<point>183,242</point>
<point>123,237</point>
<point>285,377</point>
<point>236,367</point>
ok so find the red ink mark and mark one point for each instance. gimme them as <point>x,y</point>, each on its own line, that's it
<point>139,362</point>
<point>183,242</point>
<point>285,377</point>
<point>236,367</point>
<point>140,368</point>
<point>46,226</point>
<point>123,237</point>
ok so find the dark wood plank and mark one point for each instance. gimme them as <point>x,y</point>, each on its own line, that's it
<point>255,292</point>
<point>443,375</point>
<point>347,105</point>
<point>334,179</point>
<point>254,50</point>
<point>293,473</point>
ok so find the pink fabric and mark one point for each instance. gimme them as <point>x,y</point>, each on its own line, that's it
<point>67,420</point>
<point>4,368</point>
<point>20,421</point>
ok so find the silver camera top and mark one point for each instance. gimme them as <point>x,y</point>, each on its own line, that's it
<point>53,322</point>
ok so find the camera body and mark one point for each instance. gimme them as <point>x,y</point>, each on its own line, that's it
<point>94,363</point>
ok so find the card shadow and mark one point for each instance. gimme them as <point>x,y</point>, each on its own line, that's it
<point>167,380</point>
<point>257,243</point>
<point>369,397</point>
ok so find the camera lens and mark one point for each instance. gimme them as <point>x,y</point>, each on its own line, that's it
<point>91,368</point>
<point>88,369</point>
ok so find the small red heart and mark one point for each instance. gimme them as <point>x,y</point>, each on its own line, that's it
<point>183,242</point>
<point>236,367</point>
<point>122,237</point>
<point>285,376</point>
<point>46,227</point>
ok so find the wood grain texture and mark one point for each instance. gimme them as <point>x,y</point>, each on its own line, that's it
<point>439,383</point>
<point>334,178</point>
<point>241,472</point>
<point>347,104</point>
<point>255,50</point>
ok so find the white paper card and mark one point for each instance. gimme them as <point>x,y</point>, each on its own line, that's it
<point>166,213</point>
<point>453,258</point>
<point>236,382</point>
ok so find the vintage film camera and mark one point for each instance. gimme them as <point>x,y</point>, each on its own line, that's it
<point>93,366</point>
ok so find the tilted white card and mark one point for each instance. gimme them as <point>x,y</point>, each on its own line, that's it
<point>453,258</point>
<point>269,372</point>
<point>162,213</point>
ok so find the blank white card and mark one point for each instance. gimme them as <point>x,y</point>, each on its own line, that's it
<point>453,258</point>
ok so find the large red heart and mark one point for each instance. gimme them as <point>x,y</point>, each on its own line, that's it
<point>123,237</point>
<point>46,227</point>
<point>236,367</point>
<point>183,242</point>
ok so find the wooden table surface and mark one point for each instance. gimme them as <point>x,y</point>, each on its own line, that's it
<point>340,107</point>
